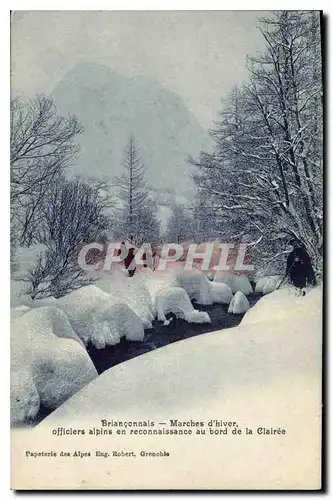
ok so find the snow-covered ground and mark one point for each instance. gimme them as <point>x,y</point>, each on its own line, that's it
<point>101,314</point>
<point>284,305</point>
<point>19,294</point>
<point>266,372</point>
<point>277,340</point>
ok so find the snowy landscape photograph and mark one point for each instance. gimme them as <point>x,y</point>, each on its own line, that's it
<point>166,249</point>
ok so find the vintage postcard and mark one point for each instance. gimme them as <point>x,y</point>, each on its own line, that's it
<point>166,250</point>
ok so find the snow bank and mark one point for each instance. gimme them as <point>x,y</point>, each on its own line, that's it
<point>267,373</point>
<point>239,304</point>
<point>48,363</point>
<point>100,319</point>
<point>267,284</point>
<point>235,282</point>
<point>283,304</point>
<point>175,300</point>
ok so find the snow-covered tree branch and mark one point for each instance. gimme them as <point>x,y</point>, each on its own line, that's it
<point>265,172</point>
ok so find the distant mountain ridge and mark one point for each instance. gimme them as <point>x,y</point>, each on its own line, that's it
<point>111,107</point>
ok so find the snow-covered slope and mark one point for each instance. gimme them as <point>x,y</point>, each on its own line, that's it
<point>259,352</point>
<point>264,373</point>
<point>285,305</point>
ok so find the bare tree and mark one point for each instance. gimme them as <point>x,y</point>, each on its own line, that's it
<point>135,218</point>
<point>42,145</point>
<point>74,213</point>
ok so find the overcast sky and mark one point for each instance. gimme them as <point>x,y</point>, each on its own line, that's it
<point>198,54</point>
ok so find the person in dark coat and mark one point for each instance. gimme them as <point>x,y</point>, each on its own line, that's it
<point>299,267</point>
<point>129,264</point>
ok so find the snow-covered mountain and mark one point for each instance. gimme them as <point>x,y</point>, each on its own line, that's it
<point>111,107</point>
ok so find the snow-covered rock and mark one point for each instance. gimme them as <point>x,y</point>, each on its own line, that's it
<point>161,280</point>
<point>235,282</point>
<point>267,284</point>
<point>197,286</point>
<point>271,284</point>
<point>132,291</point>
<point>239,304</point>
<point>48,362</point>
<point>100,319</point>
<point>220,293</point>
<point>175,300</point>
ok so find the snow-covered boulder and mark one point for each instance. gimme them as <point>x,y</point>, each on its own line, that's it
<point>260,283</point>
<point>48,362</point>
<point>267,284</point>
<point>239,304</point>
<point>175,300</point>
<point>271,284</point>
<point>161,279</point>
<point>99,319</point>
<point>197,286</point>
<point>220,293</point>
<point>235,282</point>
<point>108,326</point>
<point>132,291</point>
